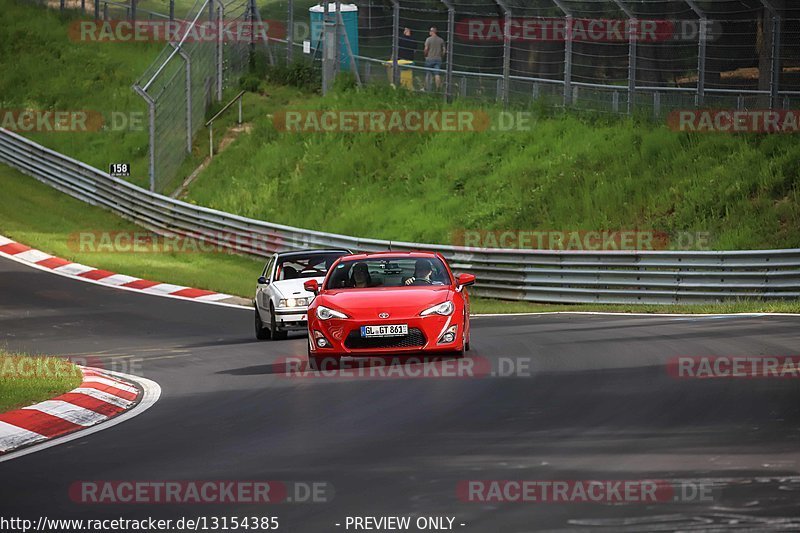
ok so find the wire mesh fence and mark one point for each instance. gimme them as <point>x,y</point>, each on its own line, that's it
<point>616,56</point>
<point>215,45</point>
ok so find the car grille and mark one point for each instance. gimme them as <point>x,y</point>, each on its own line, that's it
<point>414,338</point>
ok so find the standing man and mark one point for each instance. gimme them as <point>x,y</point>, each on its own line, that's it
<point>406,46</point>
<point>434,52</point>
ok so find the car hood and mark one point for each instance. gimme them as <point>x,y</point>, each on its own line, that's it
<point>397,301</point>
<point>293,288</point>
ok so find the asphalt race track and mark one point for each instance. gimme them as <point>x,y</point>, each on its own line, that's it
<point>595,403</point>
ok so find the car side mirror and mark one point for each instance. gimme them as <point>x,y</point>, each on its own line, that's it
<point>311,285</point>
<point>263,281</point>
<point>464,280</point>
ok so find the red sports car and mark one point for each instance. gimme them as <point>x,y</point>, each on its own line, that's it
<point>388,303</point>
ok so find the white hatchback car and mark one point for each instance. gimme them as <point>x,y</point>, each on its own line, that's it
<point>281,302</point>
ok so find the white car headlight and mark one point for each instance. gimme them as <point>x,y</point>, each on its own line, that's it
<point>444,309</point>
<point>294,302</point>
<point>326,313</point>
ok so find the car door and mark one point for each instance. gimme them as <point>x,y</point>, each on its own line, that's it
<point>262,292</point>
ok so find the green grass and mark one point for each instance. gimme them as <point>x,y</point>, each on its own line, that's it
<point>569,172</point>
<point>44,69</point>
<point>27,380</point>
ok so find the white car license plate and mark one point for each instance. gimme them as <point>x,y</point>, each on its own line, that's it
<point>388,330</point>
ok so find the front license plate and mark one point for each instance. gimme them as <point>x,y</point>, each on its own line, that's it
<point>388,330</point>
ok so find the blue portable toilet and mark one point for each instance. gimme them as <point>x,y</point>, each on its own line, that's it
<point>350,29</point>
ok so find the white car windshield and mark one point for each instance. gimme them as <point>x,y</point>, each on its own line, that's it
<point>312,265</point>
<point>389,272</point>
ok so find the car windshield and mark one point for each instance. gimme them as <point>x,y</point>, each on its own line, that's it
<point>388,272</point>
<point>312,265</point>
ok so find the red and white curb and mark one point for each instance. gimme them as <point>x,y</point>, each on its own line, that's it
<point>43,261</point>
<point>102,400</point>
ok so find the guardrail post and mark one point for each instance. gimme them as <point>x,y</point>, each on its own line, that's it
<point>506,51</point>
<point>290,33</point>
<point>151,105</point>
<point>567,52</point>
<point>395,42</point>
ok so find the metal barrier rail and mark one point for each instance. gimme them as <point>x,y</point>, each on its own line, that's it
<point>647,277</point>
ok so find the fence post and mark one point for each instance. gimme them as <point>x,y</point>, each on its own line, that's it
<point>187,58</point>
<point>337,47</point>
<point>350,55</point>
<point>96,9</point>
<point>656,105</point>
<point>567,52</point>
<point>61,5</point>
<point>171,10</point>
<point>506,51</point>
<point>395,42</point>
<point>151,105</point>
<point>327,49</point>
<point>133,9</point>
<point>83,7</point>
<point>451,24</point>
<point>220,53</point>
<point>702,45</point>
<point>633,39</point>
<point>775,80</point>
<point>290,33</point>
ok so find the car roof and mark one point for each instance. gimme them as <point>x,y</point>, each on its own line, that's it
<point>373,255</point>
<point>314,251</point>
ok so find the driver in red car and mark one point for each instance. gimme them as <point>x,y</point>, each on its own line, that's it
<point>423,269</point>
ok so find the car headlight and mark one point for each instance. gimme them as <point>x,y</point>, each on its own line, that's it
<point>294,302</point>
<point>326,313</point>
<point>444,309</point>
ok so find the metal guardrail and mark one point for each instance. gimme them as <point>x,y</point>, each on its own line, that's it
<point>651,277</point>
